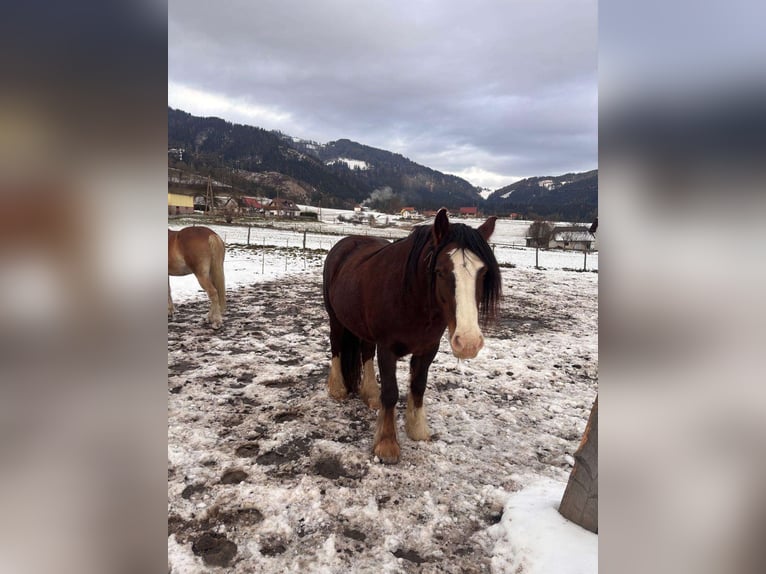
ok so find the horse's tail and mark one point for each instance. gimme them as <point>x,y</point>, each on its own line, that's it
<point>351,360</point>
<point>218,252</point>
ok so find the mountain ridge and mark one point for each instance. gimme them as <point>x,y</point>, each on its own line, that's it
<point>341,173</point>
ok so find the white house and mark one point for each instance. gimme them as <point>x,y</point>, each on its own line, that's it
<point>573,238</point>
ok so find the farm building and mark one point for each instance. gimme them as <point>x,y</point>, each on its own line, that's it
<point>408,212</point>
<point>252,205</point>
<point>180,204</point>
<point>574,238</point>
<point>221,204</point>
<point>469,212</point>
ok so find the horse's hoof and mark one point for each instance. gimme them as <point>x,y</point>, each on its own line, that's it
<point>387,451</point>
<point>418,434</point>
<point>336,389</point>
<point>339,394</point>
<point>417,429</point>
<point>374,403</point>
<point>216,325</point>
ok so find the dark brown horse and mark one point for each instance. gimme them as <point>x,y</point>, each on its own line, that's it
<point>201,251</point>
<point>399,298</point>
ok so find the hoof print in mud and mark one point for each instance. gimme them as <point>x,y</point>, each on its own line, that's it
<point>234,476</point>
<point>192,490</point>
<point>354,534</point>
<point>248,450</point>
<point>331,468</point>
<point>214,549</point>
<point>410,556</point>
<point>286,416</point>
<point>273,547</point>
<point>288,452</point>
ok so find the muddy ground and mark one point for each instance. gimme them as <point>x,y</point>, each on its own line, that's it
<point>266,473</point>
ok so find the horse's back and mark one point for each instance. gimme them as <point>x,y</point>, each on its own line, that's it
<point>349,252</point>
<point>194,234</point>
<point>342,267</point>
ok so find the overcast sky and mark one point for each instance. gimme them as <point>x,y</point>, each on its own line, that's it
<point>490,90</point>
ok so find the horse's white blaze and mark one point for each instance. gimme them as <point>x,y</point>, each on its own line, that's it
<point>415,421</point>
<point>467,339</point>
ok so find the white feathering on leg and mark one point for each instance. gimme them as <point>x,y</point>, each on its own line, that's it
<point>335,386</point>
<point>415,421</point>
<point>370,393</point>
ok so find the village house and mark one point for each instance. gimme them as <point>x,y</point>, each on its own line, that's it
<point>281,207</point>
<point>180,204</point>
<point>252,206</point>
<point>408,212</point>
<point>469,212</point>
<point>221,204</point>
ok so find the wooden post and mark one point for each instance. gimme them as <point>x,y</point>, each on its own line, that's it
<point>209,197</point>
<point>248,235</point>
<point>580,501</point>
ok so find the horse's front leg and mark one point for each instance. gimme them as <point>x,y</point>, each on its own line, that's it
<point>415,417</point>
<point>386,445</point>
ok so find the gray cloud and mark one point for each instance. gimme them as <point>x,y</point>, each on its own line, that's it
<point>484,86</point>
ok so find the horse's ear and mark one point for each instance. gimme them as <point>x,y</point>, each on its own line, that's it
<point>487,228</point>
<point>441,226</point>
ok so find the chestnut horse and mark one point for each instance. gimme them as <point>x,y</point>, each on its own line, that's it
<point>199,250</point>
<point>399,298</point>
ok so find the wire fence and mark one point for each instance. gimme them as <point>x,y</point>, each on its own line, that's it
<point>309,237</point>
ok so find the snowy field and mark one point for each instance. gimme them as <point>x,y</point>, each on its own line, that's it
<point>266,473</point>
<point>277,251</point>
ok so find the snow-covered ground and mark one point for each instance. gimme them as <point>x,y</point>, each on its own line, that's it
<point>266,473</point>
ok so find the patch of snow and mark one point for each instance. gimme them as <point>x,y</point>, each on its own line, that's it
<point>533,538</point>
<point>351,163</point>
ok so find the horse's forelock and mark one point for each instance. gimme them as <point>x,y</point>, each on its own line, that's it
<point>460,236</point>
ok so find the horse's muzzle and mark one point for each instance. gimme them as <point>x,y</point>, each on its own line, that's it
<point>465,346</point>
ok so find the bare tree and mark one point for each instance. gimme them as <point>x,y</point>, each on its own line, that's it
<point>541,231</point>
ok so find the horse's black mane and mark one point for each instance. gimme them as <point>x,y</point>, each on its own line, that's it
<point>463,237</point>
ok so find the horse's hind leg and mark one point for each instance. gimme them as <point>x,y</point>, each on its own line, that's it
<point>385,444</point>
<point>171,308</point>
<point>415,417</point>
<point>336,388</point>
<point>214,315</point>
<point>369,391</point>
